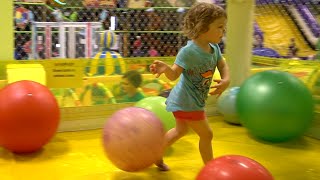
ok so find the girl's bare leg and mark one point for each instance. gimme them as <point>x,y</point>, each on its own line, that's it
<point>172,136</point>
<point>204,131</point>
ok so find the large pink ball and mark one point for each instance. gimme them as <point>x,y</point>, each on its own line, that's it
<point>133,139</point>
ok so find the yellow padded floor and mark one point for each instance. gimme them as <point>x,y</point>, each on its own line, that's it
<point>80,156</point>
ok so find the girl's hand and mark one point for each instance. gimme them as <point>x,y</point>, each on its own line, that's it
<point>220,87</point>
<point>158,67</point>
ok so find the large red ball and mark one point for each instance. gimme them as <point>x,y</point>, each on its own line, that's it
<point>234,167</point>
<point>29,116</point>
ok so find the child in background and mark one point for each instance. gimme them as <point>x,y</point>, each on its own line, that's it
<point>130,83</point>
<point>205,25</point>
<point>153,52</point>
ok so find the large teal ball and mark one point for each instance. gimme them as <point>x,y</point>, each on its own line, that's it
<point>275,106</point>
<point>226,105</point>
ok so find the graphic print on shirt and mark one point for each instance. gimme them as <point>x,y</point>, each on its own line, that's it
<point>201,78</point>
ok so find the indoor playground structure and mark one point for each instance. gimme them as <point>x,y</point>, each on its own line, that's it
<point>67,48</point>
<point>64,109</point>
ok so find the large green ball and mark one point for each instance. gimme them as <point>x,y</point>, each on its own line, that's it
<point>156,104</point>
<point>275,106</point>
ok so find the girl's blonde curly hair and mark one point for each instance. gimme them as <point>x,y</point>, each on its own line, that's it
<point>199,17</point>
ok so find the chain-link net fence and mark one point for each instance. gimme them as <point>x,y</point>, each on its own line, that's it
<point>142,28</point>
<point>147,28</point>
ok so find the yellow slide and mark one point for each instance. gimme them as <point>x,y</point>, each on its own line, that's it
<point>279,28</point>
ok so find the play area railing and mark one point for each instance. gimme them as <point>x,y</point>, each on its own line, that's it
<point>89,117</point>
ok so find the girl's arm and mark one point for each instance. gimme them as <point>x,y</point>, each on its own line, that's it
<point>223,69</point>
<point>173,72</point>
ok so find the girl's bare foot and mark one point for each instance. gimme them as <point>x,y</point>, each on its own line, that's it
<point>162,166</point>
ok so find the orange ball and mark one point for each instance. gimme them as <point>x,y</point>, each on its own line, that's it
<point>29,116</point>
